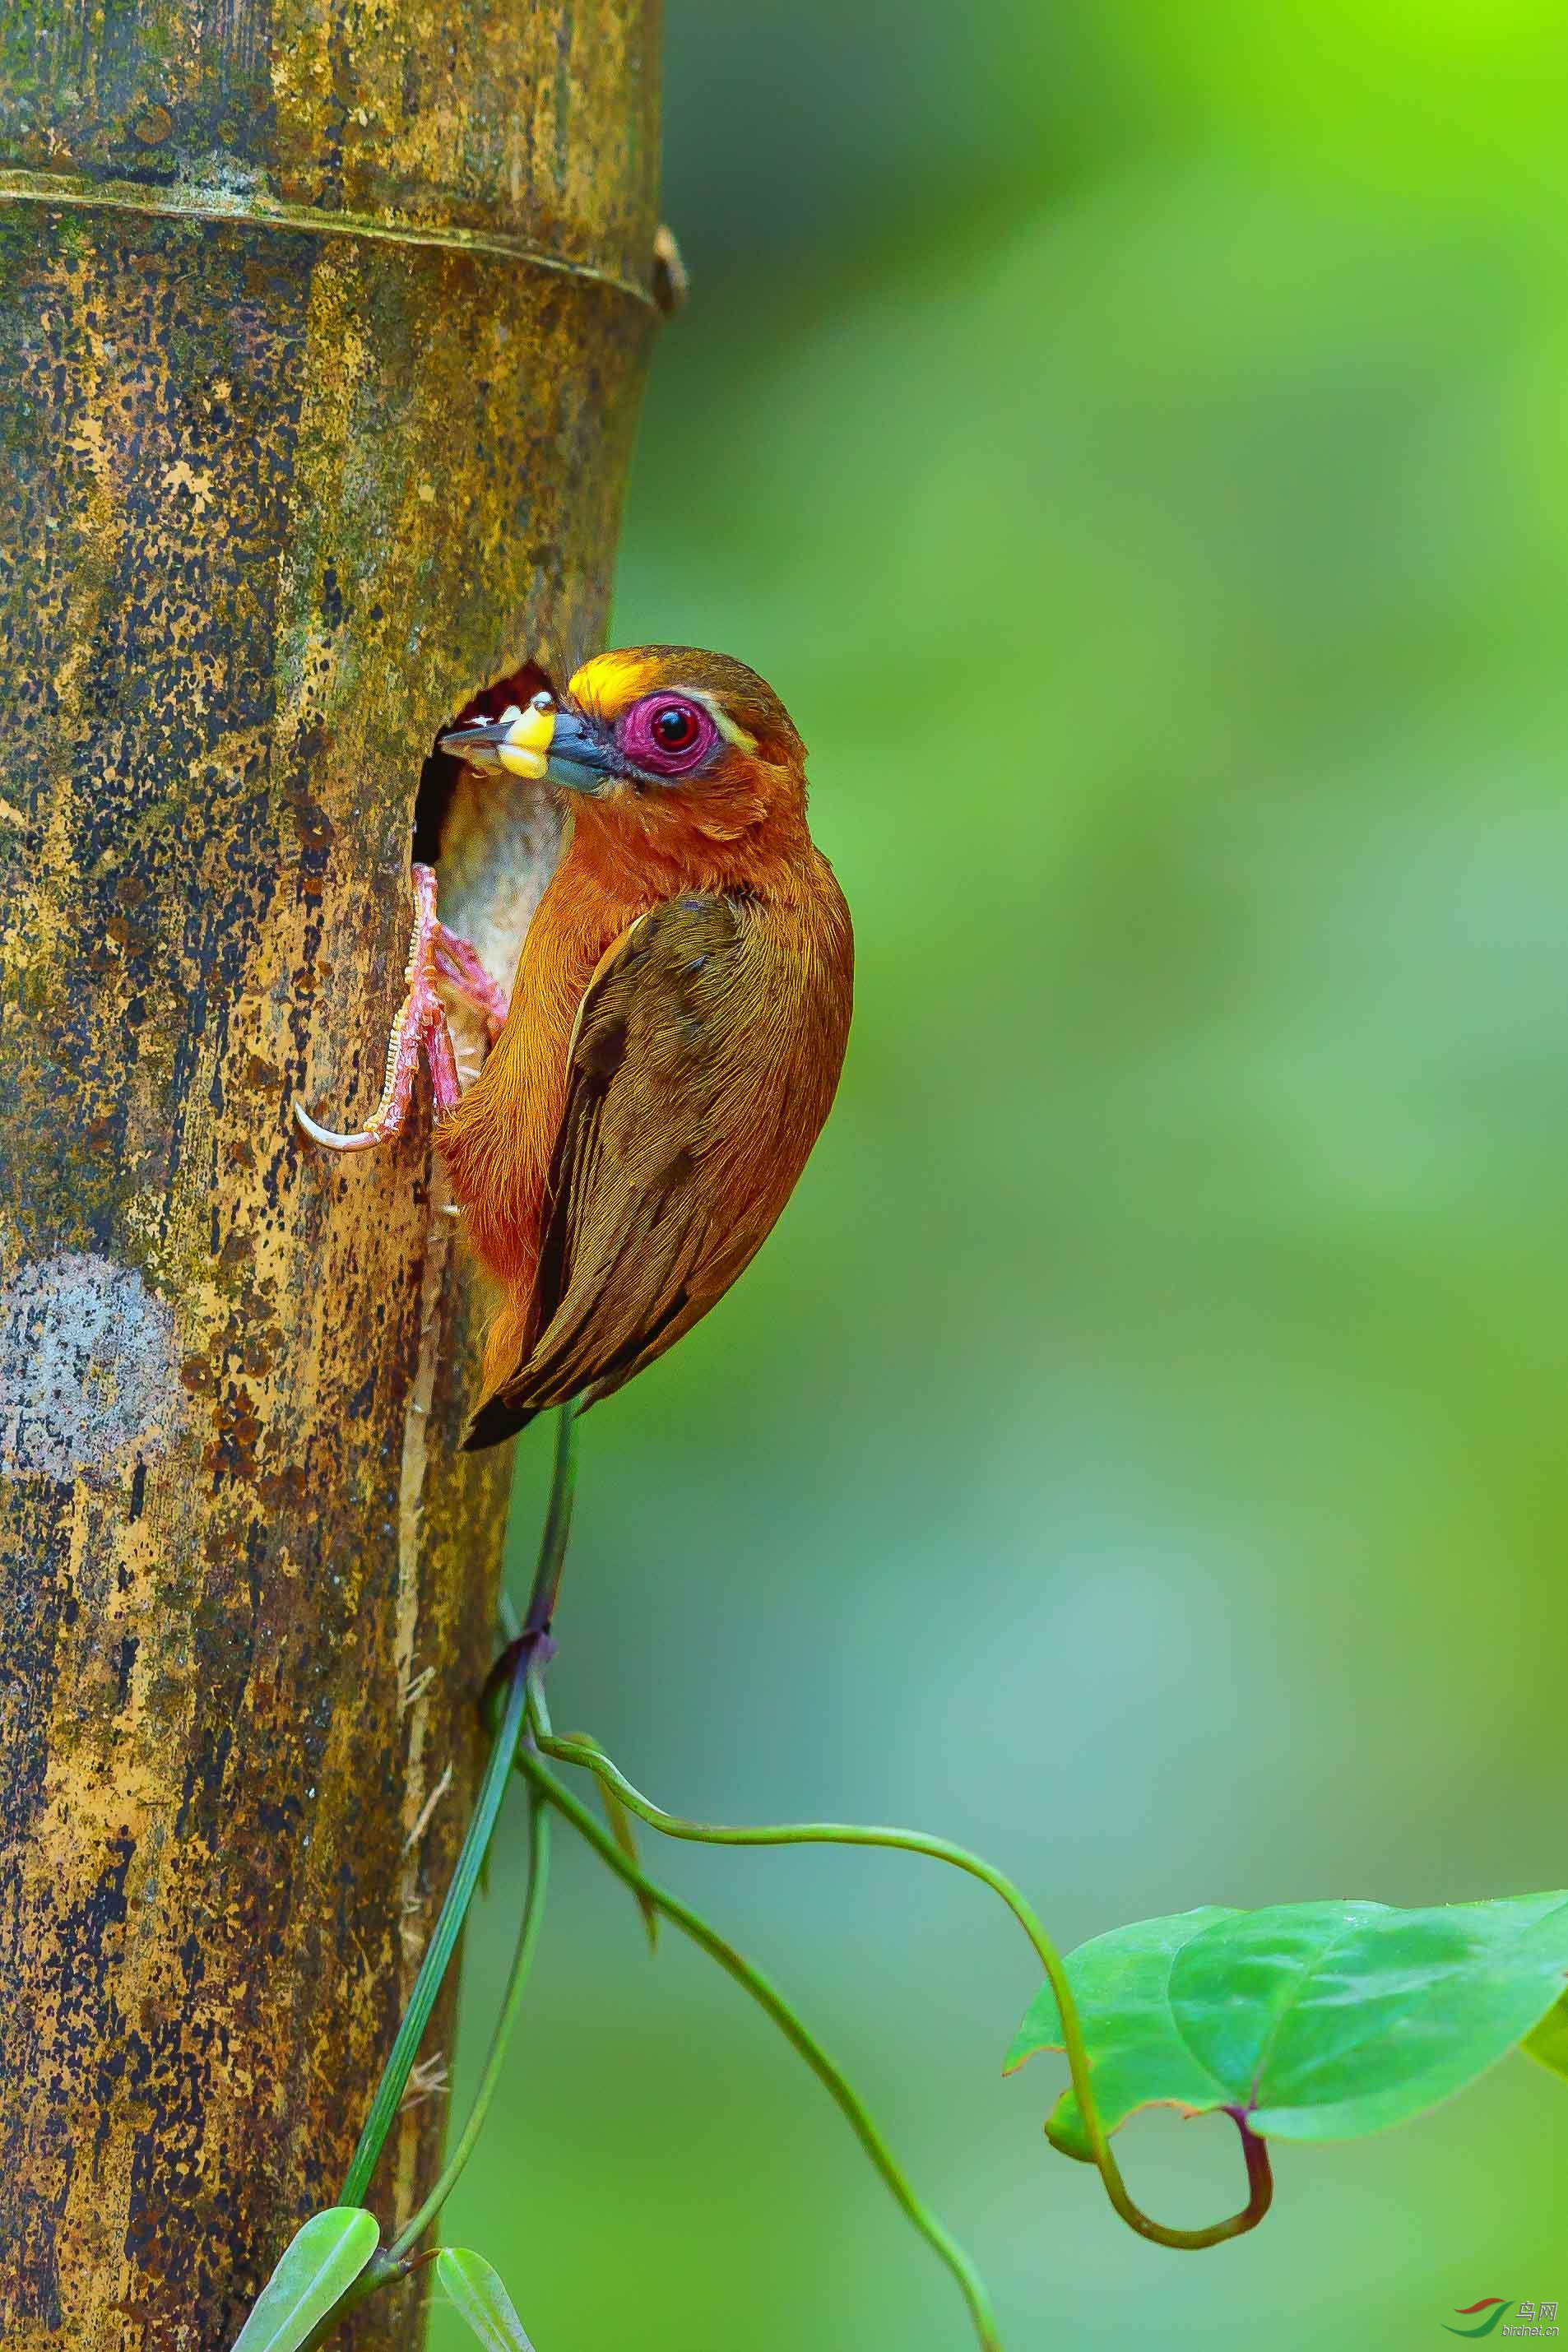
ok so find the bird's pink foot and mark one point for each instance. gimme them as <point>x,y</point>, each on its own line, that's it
<point>421,1025</point>
<point>459,965</point>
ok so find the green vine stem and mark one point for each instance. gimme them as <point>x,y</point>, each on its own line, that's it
<point>398,2260</point>
<point>557,1524</point>
<point>768,1997</point>
<point>449,1928</point>
<point>524,1738</point>
<point>511,2000</point>
<point>524,1658</point>
<point>1260,2183</point>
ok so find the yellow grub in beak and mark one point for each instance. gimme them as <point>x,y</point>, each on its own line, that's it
<point>525,749</point>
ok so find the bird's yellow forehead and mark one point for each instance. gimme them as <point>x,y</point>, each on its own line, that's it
<point>611,682</point>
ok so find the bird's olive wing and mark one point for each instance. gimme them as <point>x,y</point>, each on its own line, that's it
<point>634,1227</point>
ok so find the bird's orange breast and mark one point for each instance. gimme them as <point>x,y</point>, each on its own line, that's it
<point>500,1143</point>
<point>497,1144</point>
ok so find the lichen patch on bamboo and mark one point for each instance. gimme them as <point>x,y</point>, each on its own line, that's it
<point>87,1370</point>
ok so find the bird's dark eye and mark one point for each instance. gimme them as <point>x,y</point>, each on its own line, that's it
<point>668,734</point>
<point>675,727</point>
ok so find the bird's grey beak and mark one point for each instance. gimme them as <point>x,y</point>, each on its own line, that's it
<point>581,758</point>
<point>547,745</point>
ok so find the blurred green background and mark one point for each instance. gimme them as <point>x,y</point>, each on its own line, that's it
<point>1131,441</point>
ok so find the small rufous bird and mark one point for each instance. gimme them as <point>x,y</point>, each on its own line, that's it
<point>674,1035</point>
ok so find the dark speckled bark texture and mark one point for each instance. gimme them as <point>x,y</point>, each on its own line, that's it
<point>322,330</point>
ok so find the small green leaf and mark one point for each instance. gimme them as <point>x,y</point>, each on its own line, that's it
<point>477,2292</point>
<point>1549,2042</point>
<point>626,1837</point>
<point>325,2255</point>
<point>1121,1983</point>
<point>1317,2021</point>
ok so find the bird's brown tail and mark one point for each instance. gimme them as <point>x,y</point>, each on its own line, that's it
<point>495,1421</point>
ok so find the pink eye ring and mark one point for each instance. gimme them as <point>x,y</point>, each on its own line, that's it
<point>668,734</point>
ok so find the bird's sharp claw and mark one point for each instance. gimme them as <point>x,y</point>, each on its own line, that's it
<point>365,1139</point>
<point>420,1026</point>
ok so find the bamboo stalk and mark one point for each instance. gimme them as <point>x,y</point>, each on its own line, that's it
<point>321,331</point>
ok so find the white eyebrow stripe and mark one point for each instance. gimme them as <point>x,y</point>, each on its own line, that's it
<point>726,725</point>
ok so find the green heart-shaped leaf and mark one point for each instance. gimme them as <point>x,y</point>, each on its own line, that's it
<point>1121,1983</point>
<point>1317,2021</point>
<point>476,2290</point>
<point>325,2255</point>
<point>1549,2042</point>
